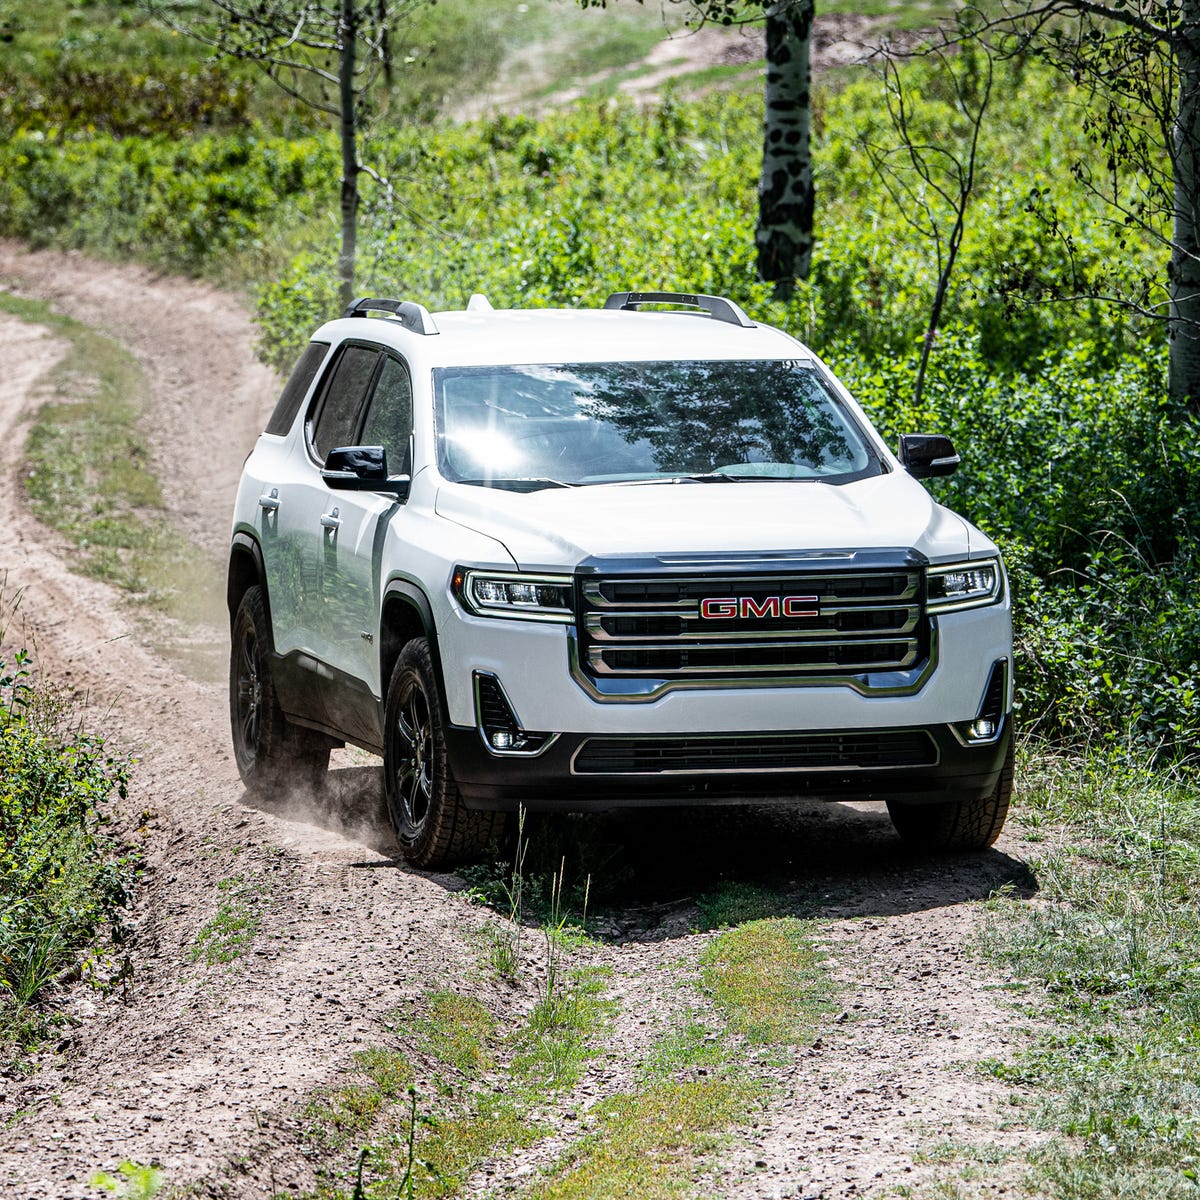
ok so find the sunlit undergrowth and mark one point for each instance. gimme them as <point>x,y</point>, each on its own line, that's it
<point>63,879</point>
<point>90,476</point>
<point>1111,951</point>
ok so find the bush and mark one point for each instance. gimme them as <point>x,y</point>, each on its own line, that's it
<point>61,887</point>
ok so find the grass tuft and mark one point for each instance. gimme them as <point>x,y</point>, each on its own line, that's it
<point>1112,943</point>
<point>648,1144</point>
<point>766,977</point>
<point>735,903</point>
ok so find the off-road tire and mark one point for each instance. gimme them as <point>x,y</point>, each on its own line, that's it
<point>956,825</point>
<point>435,828</point>
<point>271,753</point>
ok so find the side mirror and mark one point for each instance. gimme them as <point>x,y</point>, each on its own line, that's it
<point>363,469</point>
<point>928,455</point>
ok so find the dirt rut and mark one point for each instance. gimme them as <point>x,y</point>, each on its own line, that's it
<point>204,1069</point>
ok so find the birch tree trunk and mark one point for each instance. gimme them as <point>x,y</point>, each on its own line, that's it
<point>785,193</point>
<point>1184,267</point>
<point>349,139</point>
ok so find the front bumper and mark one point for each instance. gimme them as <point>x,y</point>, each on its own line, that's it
<point>552,781</point>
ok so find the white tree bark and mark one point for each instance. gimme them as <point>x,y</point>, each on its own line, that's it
<point>784,236</point>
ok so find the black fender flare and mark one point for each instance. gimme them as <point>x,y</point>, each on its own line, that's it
<point>242,546</point>
<point>412,595</point>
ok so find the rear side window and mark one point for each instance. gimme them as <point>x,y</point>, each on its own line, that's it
<point>343,399</point>
<point>297,387</point>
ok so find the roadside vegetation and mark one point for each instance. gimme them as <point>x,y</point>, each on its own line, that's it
<point>64,879</point>
<point>1110,958</point>
<point>1074,459</point>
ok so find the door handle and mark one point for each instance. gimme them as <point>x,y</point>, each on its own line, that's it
<point>271,502</point>
<point>331,520</point>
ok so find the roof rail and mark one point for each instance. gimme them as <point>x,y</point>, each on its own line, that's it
<point>717,307</point>
<point>414,317</point>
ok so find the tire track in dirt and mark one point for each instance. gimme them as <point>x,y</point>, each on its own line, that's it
<point>194,1067</point>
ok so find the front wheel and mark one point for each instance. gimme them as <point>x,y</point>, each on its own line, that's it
<point>435,828</point>
<point>956,825</point>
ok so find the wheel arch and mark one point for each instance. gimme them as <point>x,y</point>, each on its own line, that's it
<point>407,614</point>
<point>247,569</point>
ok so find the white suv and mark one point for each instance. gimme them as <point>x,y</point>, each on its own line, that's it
<point>648,555</point>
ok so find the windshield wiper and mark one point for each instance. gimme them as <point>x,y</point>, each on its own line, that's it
<point>527,483</point>
<point>706,477</point>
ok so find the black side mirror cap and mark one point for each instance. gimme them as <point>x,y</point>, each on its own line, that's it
<point>363,469</point>
<point>928,455</point>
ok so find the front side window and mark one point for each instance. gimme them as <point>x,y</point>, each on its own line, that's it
<point>344,394</point>
<point>389,418</point>
<point>541,425</point>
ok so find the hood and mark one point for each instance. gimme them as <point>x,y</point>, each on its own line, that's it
<point>557,528</point>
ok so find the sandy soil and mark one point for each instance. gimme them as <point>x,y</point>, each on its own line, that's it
<point>205,1069</point>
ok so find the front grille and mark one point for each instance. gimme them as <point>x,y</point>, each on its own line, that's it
<point>795,624</point>
<point>874,749</point>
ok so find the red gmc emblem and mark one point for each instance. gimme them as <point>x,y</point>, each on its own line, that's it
<point>724,608</point>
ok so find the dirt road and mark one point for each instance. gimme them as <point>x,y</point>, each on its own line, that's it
<point>205,1068</point>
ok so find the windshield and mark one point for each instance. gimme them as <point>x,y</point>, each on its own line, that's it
<point>528,427</point>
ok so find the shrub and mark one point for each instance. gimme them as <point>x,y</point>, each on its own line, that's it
<point>61,887</point>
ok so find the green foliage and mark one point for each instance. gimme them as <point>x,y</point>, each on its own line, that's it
<point>184,205</point>
<point>135,1182</point>
<point>1113,943</point>
<point>62,888</point>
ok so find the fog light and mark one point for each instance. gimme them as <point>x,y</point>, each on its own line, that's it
<point>983,729</point>
<point>502,739</point>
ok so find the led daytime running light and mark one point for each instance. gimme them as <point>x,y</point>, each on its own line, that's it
<point>955,586</point>
<point>527,597</point>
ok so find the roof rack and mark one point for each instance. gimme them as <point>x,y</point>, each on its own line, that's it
<point>717,307</point>
<point>414,317</point>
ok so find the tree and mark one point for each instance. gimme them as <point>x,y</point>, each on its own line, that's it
<point>1139,62</point>
<point>327,54</point>
<point>786,194</point>
<point>930,172</point>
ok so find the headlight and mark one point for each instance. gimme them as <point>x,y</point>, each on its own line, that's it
<point>955,586</point>
<point>505,594</point>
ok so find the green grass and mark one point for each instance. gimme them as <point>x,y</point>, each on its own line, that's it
<point>90,475</point>
<point>650,1144</point>
<point>459,1032</point>
<point>766,981</point>
<point>560,1034</point>
<point>1110,950</point>
<point>734,903</point>
<point>693,1044</point>
<point>227,936</point>
<point>464,1116</point>
<point>766,977</point>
